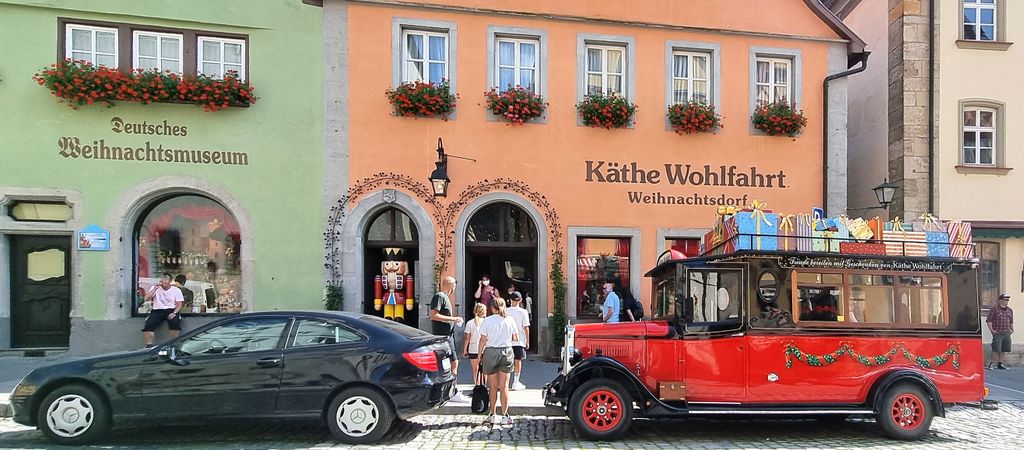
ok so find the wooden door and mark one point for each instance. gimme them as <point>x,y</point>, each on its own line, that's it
<point>40,291</point>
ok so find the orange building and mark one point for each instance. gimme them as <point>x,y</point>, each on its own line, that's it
<point>606,202</point>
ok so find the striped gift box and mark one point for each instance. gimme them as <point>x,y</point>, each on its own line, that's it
<point>960,239</point>
<point>804,229</point>
<point>905,243</point>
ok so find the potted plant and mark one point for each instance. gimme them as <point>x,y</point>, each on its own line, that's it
<point>694,117</point>
<point>79,83</point>
<point>515,105</point>
<point>422,99</point>
<point>606,111</point>
<point>778,118</point>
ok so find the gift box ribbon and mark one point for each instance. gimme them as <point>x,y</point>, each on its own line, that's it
<point>931,223</point>
<point>757,212</point>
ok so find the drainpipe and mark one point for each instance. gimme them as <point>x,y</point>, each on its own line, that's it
<point>863,59</point>
<point>931,108</point>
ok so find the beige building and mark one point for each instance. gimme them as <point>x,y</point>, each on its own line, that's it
<point>951,132</point>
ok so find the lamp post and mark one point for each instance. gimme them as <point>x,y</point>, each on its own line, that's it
<point>884,193</point>
<point>439,177</point>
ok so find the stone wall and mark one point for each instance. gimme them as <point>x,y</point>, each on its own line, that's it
<point>908,106</point>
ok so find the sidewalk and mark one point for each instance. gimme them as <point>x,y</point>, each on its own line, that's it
<point>536,374</point>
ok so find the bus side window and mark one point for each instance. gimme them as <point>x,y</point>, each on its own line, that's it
<point>820,296</point>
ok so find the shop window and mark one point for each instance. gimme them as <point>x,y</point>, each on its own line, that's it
<point>517,63</point>
<point>157,51</point>
<point>196,237</point>
<point>97,45</point>
<point>424,56</point>
<point>219,56</point>
<point>988,253</point>
<point>820,296</point>
<point>691,77</point>
<point>688,248</point>
<point>29,211</point>
<point>600,260</point>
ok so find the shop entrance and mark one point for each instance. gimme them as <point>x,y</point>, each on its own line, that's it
<point>392,237</point>
<point>501,242</point>
<point>40,291</point>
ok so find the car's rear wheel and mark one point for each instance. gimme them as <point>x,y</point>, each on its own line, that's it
<point>73,415</point>
<point>601,409</point>
<point>360,415</point>
<point>906,412</point>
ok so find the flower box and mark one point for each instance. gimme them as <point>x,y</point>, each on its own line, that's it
<point>606,111</point>
<point>79,83</point>
<point>694,117</point>
<point>515,105</point>
<point>778,118</point>
<point>422,99</point>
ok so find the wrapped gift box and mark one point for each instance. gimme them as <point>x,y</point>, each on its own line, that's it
<point>804,231</point>
<point>788,236</point>
<point>720,239</point>
<point>938,243</point>
<point>877,225</point>
<point>904,243</point>
<point>828,233</point>
<point>860,230</point>
<point>960,239</point>
<point>760,227</point>
<point>861,248</point>
<point>928,222</point>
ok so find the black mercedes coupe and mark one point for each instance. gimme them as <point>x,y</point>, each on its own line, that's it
<point>357,373</point>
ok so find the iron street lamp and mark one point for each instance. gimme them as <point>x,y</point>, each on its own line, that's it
<point>439,177</point>
<point>884,193</point>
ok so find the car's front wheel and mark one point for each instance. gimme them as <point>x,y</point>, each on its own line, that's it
<point>601,409</point>
<point>360,415</point>
<point>73,415</point>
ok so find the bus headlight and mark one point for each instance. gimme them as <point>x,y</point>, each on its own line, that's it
<point>574,356</point>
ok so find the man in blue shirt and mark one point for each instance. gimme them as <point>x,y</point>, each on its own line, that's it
<point>610,309</point>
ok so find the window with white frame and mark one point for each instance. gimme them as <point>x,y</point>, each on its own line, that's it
<point>218,56</point>
<point>157,51</point>
<point>979,136</point>
<point>424,56</point>
<point>980,20</point>
<point>774,79</point>
<point>690,78</point>
<point>97,45</point>
<point>516,63</point>
<point>606,69</point>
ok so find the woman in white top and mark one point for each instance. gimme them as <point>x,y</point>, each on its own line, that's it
<point>471,344</point>
<point>497,333</point>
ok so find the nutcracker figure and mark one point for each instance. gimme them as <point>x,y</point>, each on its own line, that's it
<point>394,287</point>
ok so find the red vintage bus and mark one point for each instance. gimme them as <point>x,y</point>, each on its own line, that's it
<point>774,333</point>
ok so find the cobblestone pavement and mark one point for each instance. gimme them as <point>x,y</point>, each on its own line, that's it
<point>964,428</point>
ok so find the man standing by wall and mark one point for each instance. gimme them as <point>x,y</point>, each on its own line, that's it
<point>443,322</point>
<point>1000,323</point>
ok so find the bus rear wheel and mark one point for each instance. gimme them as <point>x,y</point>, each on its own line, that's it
<point>601,409</point>
<point>906,412</point>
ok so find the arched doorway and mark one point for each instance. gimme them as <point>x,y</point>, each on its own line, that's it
<point>391,236</point>
<point>501,242</point>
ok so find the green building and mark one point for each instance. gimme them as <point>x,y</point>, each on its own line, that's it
<point>96,202</point>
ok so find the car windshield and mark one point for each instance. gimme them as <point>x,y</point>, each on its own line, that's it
<point>404,330</point>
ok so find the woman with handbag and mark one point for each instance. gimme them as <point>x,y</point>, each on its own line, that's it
<point>497,333</point>
<point>471,343</point>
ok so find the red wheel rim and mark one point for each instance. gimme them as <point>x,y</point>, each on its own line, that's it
<point>908,411</point>
<point>602,410</point>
